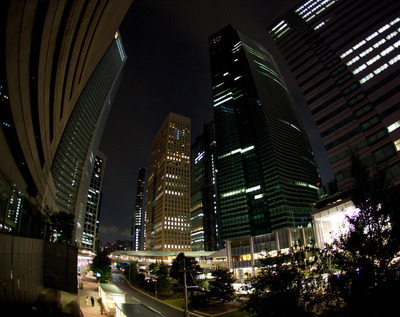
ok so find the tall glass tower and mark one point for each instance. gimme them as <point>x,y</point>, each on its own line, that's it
<point>92,217</point>
<point>139,217</point>
<point>267,174</point>
<point>345,57</point>
<point>205,216</point>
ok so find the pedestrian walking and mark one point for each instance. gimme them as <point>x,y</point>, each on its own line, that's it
<point>87,301</point>
<point>92,300</point>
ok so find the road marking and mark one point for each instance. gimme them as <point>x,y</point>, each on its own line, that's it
<point>136,299</point>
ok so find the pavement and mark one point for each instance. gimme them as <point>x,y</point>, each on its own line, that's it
<point>89,289</point>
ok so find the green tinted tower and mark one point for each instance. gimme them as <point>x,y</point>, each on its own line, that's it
<point>267,174</point>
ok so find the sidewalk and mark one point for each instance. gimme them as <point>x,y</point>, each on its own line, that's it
<point>89,289</point>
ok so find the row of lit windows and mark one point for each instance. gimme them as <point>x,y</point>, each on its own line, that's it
<point>380,69</point>
<point>384,52</point>
<point>237,151</point>
<point>373,35</point>
<point>280,29</point>
<point>312,8</point>
<point>242,190</point>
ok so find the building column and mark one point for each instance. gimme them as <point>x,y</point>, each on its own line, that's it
<point>228,254</point>
<point>253,272</point>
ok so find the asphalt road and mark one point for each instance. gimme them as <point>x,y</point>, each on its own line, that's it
<point>135,296</point>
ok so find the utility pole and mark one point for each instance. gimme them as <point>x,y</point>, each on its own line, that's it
<point>186,313</point>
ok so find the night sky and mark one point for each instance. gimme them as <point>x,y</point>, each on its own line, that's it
<point>168,71</point>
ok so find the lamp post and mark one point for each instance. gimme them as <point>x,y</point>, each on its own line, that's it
<point>155,287</point>
<point>186,313</point>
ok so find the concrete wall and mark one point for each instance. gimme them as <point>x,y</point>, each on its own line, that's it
<point>60,267</point>
<point>28,266</point>
<point>21,269</point>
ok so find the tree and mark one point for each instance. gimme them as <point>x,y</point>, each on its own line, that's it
<point>183,263</point>
<point>221,289</point>
<point>286,284</point>
<point>160,275</point>
<point>132,272</point>
<point>62,224</point>
<point>367,279</point>
<point>101,267</point>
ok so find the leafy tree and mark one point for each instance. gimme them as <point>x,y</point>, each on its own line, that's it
<point>286,285</point>
<point>62,224</point>
<point>183,263</point>
<point>132,272</point>
<point>101,265</point>
<point>221,288</point>
<point>367,279</point>
<point>160,274</point>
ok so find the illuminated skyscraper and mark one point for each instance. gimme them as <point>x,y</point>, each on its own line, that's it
<point>267,176</point>
<point>168,194</point>
<point>205,216</point>
<point>92,217</point>
<point>345,57</point>
<point>138,226</point>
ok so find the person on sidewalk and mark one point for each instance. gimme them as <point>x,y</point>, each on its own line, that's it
<point>92,300</point>
<point>87,301</point>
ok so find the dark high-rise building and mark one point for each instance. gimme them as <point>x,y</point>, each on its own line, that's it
<point>138,227</point>
<point>168,203</point>
<point>60,69</point>
<point>345,57</point>
<point>93,204</point>
<point>60,66</point>
<point>205,216</point>
<point>267,175</point>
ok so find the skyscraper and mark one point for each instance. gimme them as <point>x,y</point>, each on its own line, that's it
<point>267,175</point>
<point>93,204</point>
<point>205,216</point>
<point>138,226</point>
<point>60,66</point>
<point>59,72</point>
<point>345,57</point>
<point>168,194</point>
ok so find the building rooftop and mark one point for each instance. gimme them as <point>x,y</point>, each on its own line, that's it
<point>111,288</point>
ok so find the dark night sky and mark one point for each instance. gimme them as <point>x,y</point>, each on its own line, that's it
<point>168,71</point>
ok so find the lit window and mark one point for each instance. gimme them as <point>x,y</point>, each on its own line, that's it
<point>387,51</point>
<point>359,69</point>
<point>366,78</point>
<point>397,144</point>
<point>384,28</point>
<point>369,38</point>
<point>351,62</point>
<point>394,60</point>
<point>359,44</point>
<point>391,35</point>
<point>383,67</point>
<point>393,126</point>
<point>346,53</point>
<point>367,51</point>
<point>379,43</point>
<point>373,60</point>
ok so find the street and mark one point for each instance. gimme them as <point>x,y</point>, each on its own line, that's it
<point>135,296</point>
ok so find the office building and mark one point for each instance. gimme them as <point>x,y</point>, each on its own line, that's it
<point>138,227</point>
<point>93,204</point>
<point>345,57</point>
<point>267,175</point>
<point>60,66</point>
<point>60,71</point>
<point>168,194</point>
<point>205,216</point>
